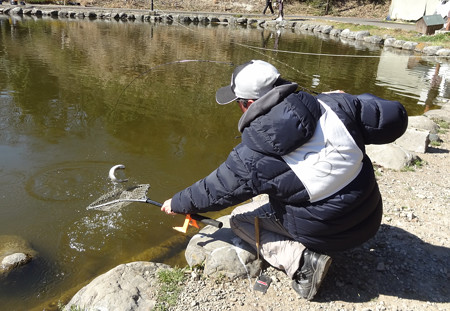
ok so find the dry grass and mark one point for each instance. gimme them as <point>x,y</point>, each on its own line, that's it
<point>355,8</point>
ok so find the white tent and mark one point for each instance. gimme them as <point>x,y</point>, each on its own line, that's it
<point>412,10</point>
<point>443,9</point>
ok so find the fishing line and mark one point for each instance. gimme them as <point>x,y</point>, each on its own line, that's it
<point>278,61</point>
<point>308,53</point>
<point>333,55</point>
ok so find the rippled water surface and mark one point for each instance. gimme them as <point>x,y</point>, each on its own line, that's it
<point>77,97</point>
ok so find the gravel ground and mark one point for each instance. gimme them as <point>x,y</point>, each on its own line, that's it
<point>404,267</point>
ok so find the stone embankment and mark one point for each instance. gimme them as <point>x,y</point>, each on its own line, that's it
<point>78,12</point>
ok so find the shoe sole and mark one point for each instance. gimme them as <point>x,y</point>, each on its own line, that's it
<point>319,275</point>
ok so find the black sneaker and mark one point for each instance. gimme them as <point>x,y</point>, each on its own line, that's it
<point>308,278</point>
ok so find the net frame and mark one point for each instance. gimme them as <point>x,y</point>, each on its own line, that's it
<point>119,198</point>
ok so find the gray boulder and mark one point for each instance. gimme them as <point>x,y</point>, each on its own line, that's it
<point>389,42</point>
<point>132,286</point>
<point>345,33</point>
<point>304,27</point>
<point>360,35</point>
<point>423,123</point>
<point>36,12</point>
<point>431,50</point>
<point>398,44</point>
<point>409,45</point>
<point>14,260</point>
<point>335,32</point>
<point>389,156</point>
<point>326,29</point>
<point>17,11</point>
<point>374,39</point>
<point>440,114</point>
<point>443,52</point>
<point>222,252</point>
<point>14,253</point>
<point>414,140</point>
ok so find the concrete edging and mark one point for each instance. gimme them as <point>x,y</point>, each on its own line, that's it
<point>78,12</point>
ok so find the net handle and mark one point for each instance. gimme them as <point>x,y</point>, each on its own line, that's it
<point>203,219</point>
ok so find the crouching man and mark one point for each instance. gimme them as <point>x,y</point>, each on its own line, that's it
<point>307,153</point>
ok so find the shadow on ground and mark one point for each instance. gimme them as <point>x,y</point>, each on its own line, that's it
<point>394,263</point>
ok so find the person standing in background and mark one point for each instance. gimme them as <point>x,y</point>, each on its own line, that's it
<point>280,10</point>
<point>268,5</point>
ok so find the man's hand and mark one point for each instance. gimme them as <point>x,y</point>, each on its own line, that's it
<point>167,208</point>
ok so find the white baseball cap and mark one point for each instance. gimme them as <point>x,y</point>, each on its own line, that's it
<point>251,80</point>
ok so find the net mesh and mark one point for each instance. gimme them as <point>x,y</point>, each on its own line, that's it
<point>118,198</point>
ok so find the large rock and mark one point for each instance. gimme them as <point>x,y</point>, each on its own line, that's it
<point>360,35</point>
<point>414,140</point>
<point>222,252</point>
<point>14,252</point>
<point>389,156</point>
<point>423,123</point>
<point>132,286</point>
<point>440,114</point>
<point>431,50</point>
<point>14,260</point>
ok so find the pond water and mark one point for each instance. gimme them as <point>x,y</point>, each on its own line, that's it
<point>77,97</point>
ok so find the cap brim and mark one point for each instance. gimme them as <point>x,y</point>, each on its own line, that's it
<point>225,95</point>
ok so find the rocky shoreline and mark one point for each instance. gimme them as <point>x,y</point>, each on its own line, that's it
<point>215,19</point>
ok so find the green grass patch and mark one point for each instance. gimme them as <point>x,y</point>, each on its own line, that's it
<point>443,38</point>
<point>415,164</point>
<point>170,282</point>
<point>72,308</point>
<point>435,144</point>
<point>443,124</point>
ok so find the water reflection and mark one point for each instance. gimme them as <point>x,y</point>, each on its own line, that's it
<point>77,97</point>
<point>413,77</point>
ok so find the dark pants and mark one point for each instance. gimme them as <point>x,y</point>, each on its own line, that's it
<point>268,5</point>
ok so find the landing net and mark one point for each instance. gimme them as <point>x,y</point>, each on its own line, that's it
<point>116,199</point>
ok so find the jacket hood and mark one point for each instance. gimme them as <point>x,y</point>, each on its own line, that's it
<point>280,121</point>
<point>265,103</point>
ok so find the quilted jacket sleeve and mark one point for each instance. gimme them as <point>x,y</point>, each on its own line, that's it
<point>383,120</point>
<point>226,186</point>
<point>377,120</point>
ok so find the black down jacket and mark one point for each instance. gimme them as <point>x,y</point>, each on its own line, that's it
<point>281,123</point>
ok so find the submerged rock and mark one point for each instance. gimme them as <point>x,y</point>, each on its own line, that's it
<point>14,252</point>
